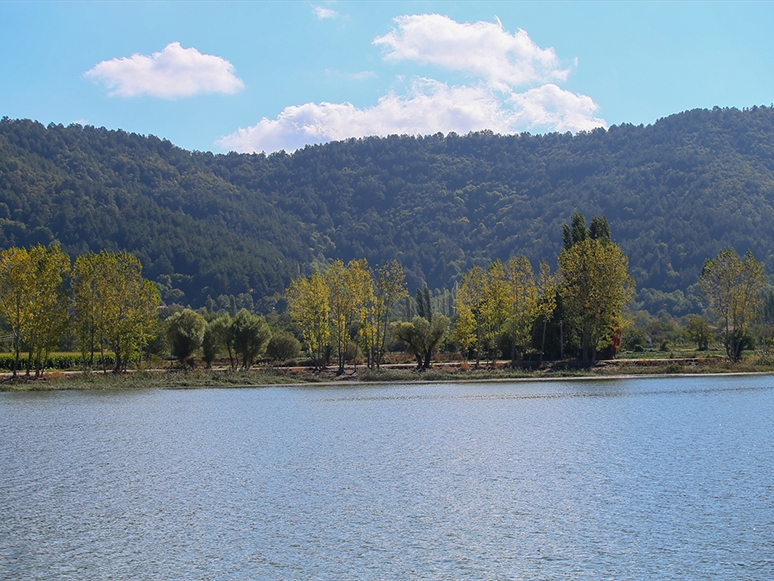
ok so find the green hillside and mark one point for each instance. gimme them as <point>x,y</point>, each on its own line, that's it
<point>675,193</point>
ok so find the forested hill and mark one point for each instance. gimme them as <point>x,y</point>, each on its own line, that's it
<point>674,192</point>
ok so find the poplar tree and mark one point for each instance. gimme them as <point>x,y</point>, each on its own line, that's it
<point>471,308</point>
<point>113,305</point>
<point>342,302</point>
<point>522,303</point>
<point>495,308</point>
<point>547,303</point>
<point>90,310</point>
<point>362,288</point>
<point>15,296</point>
<point>48,312</point>
<point>595,287</point>
<point>132,307</point>
<point>33,300</point>
<point>389,288</point>
<point>309,307</point>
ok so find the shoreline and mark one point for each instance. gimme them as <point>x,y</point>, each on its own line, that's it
<point>305,377</point>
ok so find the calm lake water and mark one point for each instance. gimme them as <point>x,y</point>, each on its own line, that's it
<point>620,479</point>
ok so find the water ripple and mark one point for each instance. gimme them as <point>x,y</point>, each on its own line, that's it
<point>629,479</point>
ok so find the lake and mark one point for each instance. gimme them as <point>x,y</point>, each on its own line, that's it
<point>668,478</point>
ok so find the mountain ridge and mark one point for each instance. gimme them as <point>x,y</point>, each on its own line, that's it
<point>675,192</point>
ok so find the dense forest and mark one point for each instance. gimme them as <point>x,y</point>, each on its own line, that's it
<point>675,193</point>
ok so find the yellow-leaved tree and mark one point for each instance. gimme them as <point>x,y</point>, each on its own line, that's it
<point>16,297</point>
<point>496,307</point>
<point>33,300</point>
<point>343,303</point>
<point>309,307</point>
<point>470,305</point>
<point>389,288</point>
<point>361,282</point>
<point>48,313</point>
<point>595,287</point>
<point>132,303</point>
<point>113,306</point>
<point>90,307</point>
<point>522,303</point>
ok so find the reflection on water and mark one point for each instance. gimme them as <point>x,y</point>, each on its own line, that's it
<point>627,479</point>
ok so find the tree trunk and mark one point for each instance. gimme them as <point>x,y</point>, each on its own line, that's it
<point>478,345</point>
<point>585,344</point>
<point>513,349</point>
<point>16,359</point>
<point>117,369</point>
<point>427,359</point>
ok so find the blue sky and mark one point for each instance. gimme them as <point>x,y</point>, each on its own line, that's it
<point>260,76</point>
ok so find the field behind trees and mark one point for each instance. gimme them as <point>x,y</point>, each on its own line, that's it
<point>204,225</point>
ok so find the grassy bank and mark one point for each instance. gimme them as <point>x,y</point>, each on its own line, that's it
<point>159,379</point>
<point>180,379</point>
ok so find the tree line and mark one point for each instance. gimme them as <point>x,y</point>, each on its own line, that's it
<point>327,305</point>
<point>504,300</point>
<point>110,304</point>
<point>509,309</point>
<point>506,308</point>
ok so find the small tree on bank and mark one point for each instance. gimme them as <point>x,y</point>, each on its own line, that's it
<point>185,331</point>
<point>698,331</point>
<point>283,346</point>
<point>734,290</point>
<point>422,337</point>
<point>251,334</point>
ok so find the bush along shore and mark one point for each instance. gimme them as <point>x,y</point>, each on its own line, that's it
<point>181,378</point>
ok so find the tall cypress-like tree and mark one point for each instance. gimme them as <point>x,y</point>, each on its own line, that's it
<point>595,287</point>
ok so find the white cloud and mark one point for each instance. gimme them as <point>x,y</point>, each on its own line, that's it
<point>552,108</point>
<point>430,107</point>
<point>484,49</point>
<point>322,13</point>
<point>515,90</point>
<point>170,74</point>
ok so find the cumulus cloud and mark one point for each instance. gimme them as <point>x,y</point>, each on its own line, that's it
<point>484,49</point>
<point>552,108</point>
<point>514,89</point>
<point>323,13</point>
<point>173,73</point>
<point>430,107</point>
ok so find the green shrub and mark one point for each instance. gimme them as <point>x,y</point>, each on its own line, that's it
<point>283,346</point>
